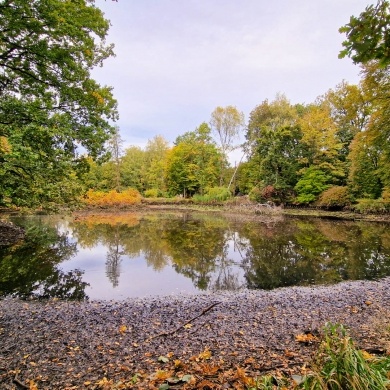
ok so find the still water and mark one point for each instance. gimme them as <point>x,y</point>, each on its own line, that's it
<point>116,256</point>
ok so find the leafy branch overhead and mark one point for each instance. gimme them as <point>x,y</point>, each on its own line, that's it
<point>368,35</point>
<point>49,104</point>
<point>47,52</point>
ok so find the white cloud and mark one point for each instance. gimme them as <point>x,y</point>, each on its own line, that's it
<point>177,60</point>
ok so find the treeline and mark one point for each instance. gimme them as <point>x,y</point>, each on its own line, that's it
<point>334,152</point>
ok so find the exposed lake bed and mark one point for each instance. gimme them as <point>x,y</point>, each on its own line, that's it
<point>66,345</point>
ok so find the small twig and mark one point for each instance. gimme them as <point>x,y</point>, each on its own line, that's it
<point>21,384</point>
<point>94,369</point>
<point>200,326</point>
<point>185,323</point>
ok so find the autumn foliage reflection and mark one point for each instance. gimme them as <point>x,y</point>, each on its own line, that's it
<point>221,254</point>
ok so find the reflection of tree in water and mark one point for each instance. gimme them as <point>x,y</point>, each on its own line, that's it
<point>315,252</point>
<point>227,277</point>
<point>31,268</point>
<point>195,245</point>
<point>113,263</point>
<point>294,252</point>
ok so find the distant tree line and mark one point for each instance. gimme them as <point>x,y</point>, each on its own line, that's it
<point>332,152</point>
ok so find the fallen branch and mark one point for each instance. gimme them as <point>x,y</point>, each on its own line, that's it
<point>18,382</point>
<point>185,323</point>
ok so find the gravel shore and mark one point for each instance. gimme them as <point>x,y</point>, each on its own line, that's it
<point>77,345</point>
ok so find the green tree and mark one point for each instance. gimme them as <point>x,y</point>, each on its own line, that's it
<point>350,110</point>
<point>376,85</point>
<point>364,175</point>
<point>49,104</point>
<point>194,163</point>
<point>312,183</point>
<point>368,36</point>
<point>274,144</point>
<point>133,168</point>
<point>155,158</point>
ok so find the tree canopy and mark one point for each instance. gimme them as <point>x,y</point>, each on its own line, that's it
<point>47,51</point>
<point>368,35</point>
<point>49,104</point>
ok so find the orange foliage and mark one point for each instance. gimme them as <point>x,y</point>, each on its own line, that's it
<point>112,198</point>
<point>109,219</point>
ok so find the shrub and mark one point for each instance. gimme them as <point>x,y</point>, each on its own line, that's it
<point>255,194</point>
<point>213,195</point>
<point>312,183</point>
<point>112,198</point>
<point>335,197</point>
<point>372,206</point>
<point>386,194</point>
<point>151,193</point>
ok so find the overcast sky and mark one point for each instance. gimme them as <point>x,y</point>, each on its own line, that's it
<point>177,60</point>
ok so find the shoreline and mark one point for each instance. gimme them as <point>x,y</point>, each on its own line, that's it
<point>76,344</point>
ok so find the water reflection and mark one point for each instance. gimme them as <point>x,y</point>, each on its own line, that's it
<point>30,268</point>
<point>155,253</point>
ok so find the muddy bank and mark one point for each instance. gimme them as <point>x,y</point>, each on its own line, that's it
<point>9,233</point>
<point>70,345</point>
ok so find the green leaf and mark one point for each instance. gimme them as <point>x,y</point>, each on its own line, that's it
<point>186,378</point>
<point>163,359</point>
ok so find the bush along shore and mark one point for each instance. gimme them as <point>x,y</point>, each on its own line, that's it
<point>244,340</point>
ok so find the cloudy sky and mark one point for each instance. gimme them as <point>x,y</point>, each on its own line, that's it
<point>177,60</point>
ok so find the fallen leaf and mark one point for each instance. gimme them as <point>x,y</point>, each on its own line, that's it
<point>305,338</point>
<point>366,355</point>
<point>206,354</point>
<point>32,385</point>
<point>161,375</point>
<point>123,329</point>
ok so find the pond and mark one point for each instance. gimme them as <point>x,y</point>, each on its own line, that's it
<point>116,256</point>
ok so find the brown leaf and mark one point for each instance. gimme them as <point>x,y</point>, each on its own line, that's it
<point>305,338</point>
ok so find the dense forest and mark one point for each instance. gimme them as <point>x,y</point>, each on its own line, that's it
<point>333,152</point>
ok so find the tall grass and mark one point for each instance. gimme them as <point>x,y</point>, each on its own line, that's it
<point>340,366</point>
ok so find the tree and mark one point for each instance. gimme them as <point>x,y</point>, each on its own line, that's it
<point>320,140</point>
<point>194,162</point>
<point>155,163</point>
<point>133,168</point>
<point>364,175</point>
<point>49,104</point>
<point>312,183</point>
<point>226,122</point>
<point>115,148</point>
<point>368,35</point>
<point>349,108</point>
<point>376,83</point>
<point>274,144</point>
